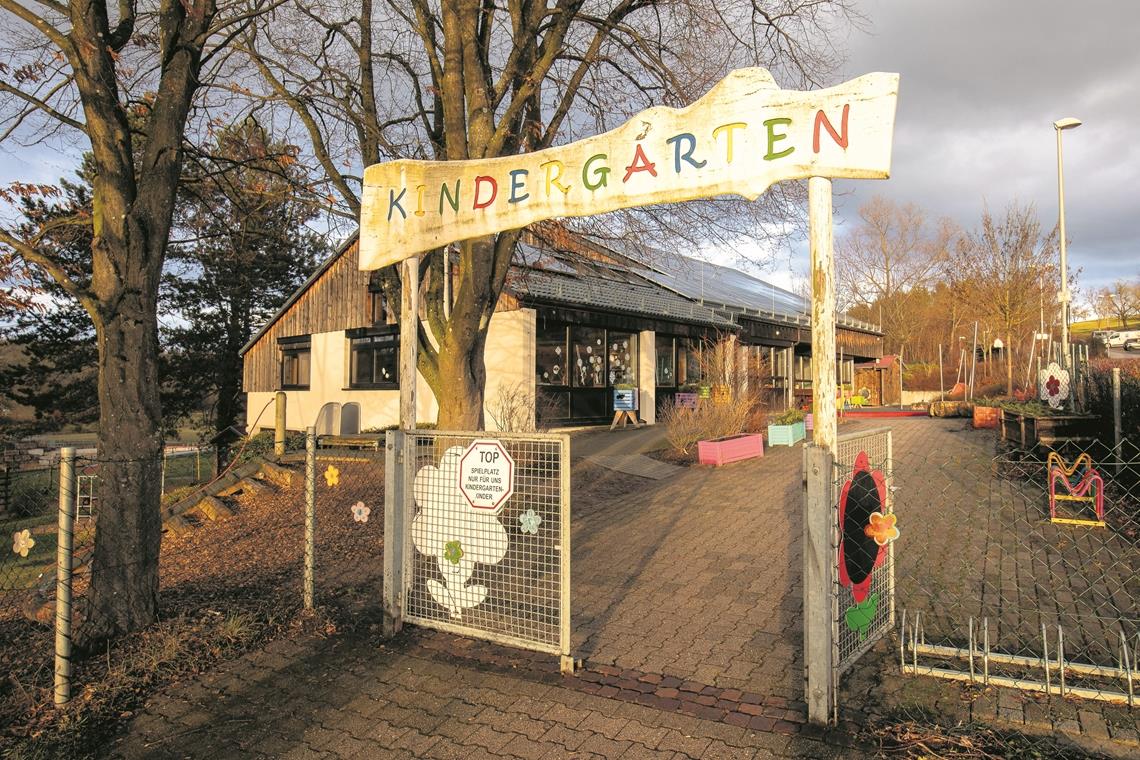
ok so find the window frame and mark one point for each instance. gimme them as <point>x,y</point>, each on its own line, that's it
<point>294,347</point>
<point>371,337</point>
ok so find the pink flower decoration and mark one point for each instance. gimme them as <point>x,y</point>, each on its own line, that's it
<point>360,512</point>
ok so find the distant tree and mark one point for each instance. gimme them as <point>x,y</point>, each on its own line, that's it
<point>887,263</point>
<point>1120,301</point>
<point>242,214</point>
<point>57,370</point>
<point>999,274</point>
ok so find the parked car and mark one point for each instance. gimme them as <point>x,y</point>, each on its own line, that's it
<point>1132,344</point>
<point>1117,338</point>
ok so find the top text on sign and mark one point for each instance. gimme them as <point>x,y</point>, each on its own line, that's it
<point>486,475</point>
<point>741,137</point>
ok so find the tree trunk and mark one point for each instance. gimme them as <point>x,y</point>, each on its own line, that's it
<point>462,377</point>
<point>124,579</point>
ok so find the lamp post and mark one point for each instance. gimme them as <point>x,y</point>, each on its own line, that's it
<point>1059,126</point>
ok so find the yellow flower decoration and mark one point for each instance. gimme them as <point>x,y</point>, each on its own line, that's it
<point>22,542</point>
<point>882,528</point>
<point>332,476</point>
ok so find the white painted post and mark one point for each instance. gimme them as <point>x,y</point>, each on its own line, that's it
<point>394,521</point>
<point>63,563</point>
<point>310,514</point>
<point>566,660</point>
<point>941,386</point>
<point>819,554</point>
<point>409,339</point>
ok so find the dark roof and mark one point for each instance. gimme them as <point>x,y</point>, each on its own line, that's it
<point>614,295</point>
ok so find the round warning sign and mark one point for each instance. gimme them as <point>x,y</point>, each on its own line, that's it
<point>486,475</point>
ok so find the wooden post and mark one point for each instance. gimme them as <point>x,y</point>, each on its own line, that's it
<point>789,377</point>
<point>819,554</point>
<point>819,584</point>
<point>310,516</point>
<point>822,313</point>
<point>279,400</point>
<point>941,386</point>
<point>394,522</point>
<point>409,339</point>
<point>1117,427</point>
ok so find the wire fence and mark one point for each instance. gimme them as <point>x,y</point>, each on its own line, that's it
<point>230,572</point>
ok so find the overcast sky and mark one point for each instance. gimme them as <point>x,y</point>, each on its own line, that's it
<point>981,83</point>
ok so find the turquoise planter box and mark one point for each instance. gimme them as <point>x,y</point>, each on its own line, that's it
<point>786,435</point>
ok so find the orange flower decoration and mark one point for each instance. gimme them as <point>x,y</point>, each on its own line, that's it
<point>882,528</point>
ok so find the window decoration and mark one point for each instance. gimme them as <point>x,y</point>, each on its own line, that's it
<point>666,362</point>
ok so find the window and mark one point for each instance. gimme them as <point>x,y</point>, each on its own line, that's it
<point>588,366</point>
<point>550,356</point>
<point>295,353</point>
<point>374,359</point>
<point>666,361</point>
<point>623,358</point>
<point>689,362</point>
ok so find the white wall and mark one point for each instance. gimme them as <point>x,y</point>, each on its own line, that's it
<point>509,359</point>
<point>647,376</point>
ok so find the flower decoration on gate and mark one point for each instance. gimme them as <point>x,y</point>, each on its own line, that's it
<point>22,542</point>
<point>529,521</point>
<point>882,528</point>
<point>447,528</point>
<point>332,476</point>
<point>865,530</point>
<point>360,512</point>
<point>1053,382</point>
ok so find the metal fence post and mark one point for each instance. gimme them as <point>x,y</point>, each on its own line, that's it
<point>567,660</point>
<point>1117,427</point>
<point>394,520</point>
<point>310,512</point>
<point>63,576</point>
<point>819,587</point>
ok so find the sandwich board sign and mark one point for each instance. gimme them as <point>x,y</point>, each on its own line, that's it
<point>486,476</point>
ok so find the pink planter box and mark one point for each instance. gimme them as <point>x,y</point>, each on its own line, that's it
<point>733,448</point>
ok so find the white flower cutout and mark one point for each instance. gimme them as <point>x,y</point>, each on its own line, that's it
<point>529,521</point>
<point>360,512</point>
<point>22,542</point>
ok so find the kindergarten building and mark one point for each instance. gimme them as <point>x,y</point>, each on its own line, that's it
<point>574,321</point>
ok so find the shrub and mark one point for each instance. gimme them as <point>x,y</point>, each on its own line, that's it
<point>789,417</point>
<point>1100,393</point>
<point>685,426</point>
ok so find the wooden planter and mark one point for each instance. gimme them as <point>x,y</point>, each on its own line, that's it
<point>732,448</point>
<point>786,435</point>
<point>1026,431</point>
<point>986,416</point>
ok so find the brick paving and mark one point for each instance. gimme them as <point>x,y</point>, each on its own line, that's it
<point>686,610</point>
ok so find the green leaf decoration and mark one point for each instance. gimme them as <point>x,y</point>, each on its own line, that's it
<point>452,552</point>
<point>860,616</point>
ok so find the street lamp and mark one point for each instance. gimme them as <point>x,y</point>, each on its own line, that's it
<point>1061,125</point>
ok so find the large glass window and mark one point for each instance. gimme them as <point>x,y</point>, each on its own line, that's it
<point>588,357</point>
<point>374,361</point>
<point>623,358</point>
<point>666,361</point>
<point>295,356</point>
<point>689,362</point>
<point>550,356</point>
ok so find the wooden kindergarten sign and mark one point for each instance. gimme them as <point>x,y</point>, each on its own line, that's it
<point>741,137</point>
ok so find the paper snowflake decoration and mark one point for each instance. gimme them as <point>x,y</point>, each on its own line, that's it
<point>360,512</point>
<point>529,521</point>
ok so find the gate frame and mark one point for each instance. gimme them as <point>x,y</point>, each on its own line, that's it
<point>398,555</point>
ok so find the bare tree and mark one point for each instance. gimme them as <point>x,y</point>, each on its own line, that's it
<point>1121,301</point>
<point>1000,271</point>
<point>888,262</point>
<point>468,79</point>
<point>122,81</point>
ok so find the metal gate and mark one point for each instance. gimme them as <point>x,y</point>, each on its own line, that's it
<point>493,564</point>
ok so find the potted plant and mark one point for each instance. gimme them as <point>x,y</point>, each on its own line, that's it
<point>787,429</point>
<point>625,397</point>
<point>987,414</point>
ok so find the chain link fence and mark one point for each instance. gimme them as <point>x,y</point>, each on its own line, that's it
<point>230,574</point>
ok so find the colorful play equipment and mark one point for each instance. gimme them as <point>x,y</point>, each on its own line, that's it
<point>1088,488</point>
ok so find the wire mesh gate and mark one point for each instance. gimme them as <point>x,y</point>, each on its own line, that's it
<point>480,556</point>
<point>864,605</point>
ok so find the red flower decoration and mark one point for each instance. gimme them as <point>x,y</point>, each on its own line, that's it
<point>1053,385</point>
